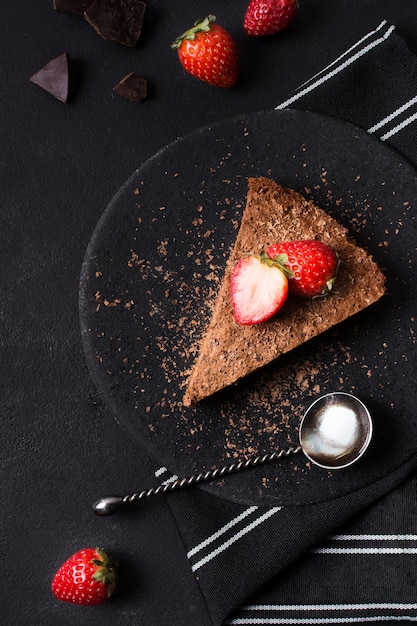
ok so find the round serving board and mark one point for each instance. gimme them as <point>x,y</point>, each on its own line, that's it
<point>156,260</point>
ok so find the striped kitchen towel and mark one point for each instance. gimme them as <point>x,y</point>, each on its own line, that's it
<point>237,552</point>
<point>371,85</point>
<point>364,573</point>
<point>353,559</point>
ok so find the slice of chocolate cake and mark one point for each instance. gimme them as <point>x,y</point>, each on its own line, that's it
<point>273,214</point>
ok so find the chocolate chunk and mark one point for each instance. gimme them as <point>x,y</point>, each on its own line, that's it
<point>54,77</point>
<point>132,87</point>
<point>72,6</point>
<point>117,20</point>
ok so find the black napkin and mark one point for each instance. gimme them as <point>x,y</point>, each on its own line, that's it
<point>238,553</point>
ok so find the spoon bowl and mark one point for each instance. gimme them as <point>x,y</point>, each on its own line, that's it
<point>335,431</point>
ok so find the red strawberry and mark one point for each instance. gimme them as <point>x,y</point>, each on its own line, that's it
<point>209,53</point>
<point>313,263</point>
<point>267,17</point>
<point>259,288</point>
<point>87,577</point>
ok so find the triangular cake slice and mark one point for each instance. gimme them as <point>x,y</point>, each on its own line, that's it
<point>230,351</point>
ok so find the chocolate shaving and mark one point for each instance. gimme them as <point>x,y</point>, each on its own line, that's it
<point>54,77</point>
<point>72,6</point>
<point>132,87</point>
<point>117,20</point>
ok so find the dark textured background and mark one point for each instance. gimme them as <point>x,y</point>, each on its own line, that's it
<point>60,165</point>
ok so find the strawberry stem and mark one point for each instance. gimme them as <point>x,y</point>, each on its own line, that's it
<point>107,570</point>
<point>200,26</point>
<point>280,261</point>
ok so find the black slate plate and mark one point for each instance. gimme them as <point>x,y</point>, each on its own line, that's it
<point>153,266</point>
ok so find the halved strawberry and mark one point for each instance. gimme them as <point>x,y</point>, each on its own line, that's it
<point>314,265</point>
<point>259,287</point>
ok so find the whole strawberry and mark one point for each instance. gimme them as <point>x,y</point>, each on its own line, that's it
<point>259,288</point>
<point>88,577</point>
<point>267,17</point>
<point>208,52</point>
<point>313,263</point>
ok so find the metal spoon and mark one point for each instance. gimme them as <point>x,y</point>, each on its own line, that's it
<point>334,433</point>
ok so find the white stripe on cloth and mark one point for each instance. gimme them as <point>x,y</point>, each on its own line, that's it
<point>392,115</point>
<point>328,548</point>
<point>221,531</point>
<point>364,551</point>
<point>348,51</point>
<point>330,607</point>
<point>260,621</point>
<point>335,71</point>
<point>159,472</point>
<point>400,613</point>
<point>399,127</point>
<point>373,538</point>
<point>244,531</point>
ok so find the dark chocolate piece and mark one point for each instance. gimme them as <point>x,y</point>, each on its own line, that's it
<point>117,20</point>
<point>54,77</point>
<point>132,87</point>
<point>72,6</point>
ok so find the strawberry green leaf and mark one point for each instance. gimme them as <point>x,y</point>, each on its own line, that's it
<point>200,26</point>
<point>280,261</point>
